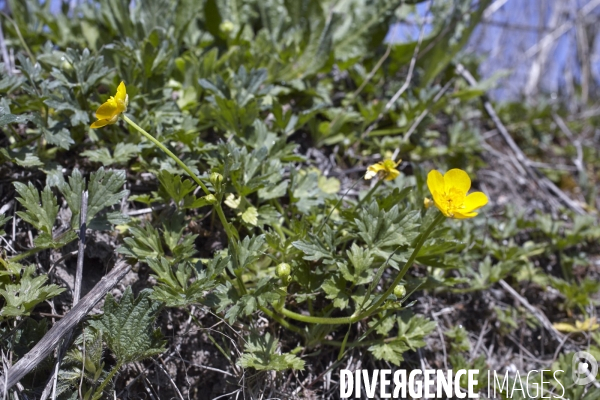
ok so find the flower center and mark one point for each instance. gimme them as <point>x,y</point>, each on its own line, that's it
<point>454,201</point>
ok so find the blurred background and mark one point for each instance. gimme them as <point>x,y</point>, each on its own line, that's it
<point>538,46</point>
<point>531,47</point>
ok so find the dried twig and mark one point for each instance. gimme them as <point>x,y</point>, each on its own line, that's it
<point>54,336</point>
<point>538,179</point>
<point>51,385</point>
<point>561,30</point>
<point>396,96</point>
<point>82,229</point>
<point>540,316</point>
<point>421,117</point>
<point>7,65</point>
<point>578,162</point>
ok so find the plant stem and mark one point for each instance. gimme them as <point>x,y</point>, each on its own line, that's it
<point>368,196</point>
<point>281,321</point>
<point>357,316</point>
<point>336,205</point>
<point>231,233</point>
<point>438,219</point>
<point>98,392</point>
<point>316,320</point>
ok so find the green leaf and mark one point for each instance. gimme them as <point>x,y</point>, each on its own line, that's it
<point>122,154</point>
<point>127,327</point>
<point>40,214</point>
<point>363,28</point>
<point>250,216</point>
<point>261,353</point>
<point>362,261</point>
<point>143,243</point>
<point>174,187</point>
<point>3,221</point>
<point>412,329</point>
<point>22,297</point>
<point>444,50</point>
<point>22,157</point>
<point>13,119</point>
<point>103,191</point>
<point>329,185</point>
<point>46,241</point>
<point>335,288</point>
<point>389,351</point>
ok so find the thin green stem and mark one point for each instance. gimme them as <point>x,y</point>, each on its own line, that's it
<point>368,196</point>
<point>167,152</point>
<point>337,343</point>
<point>438,219</point>
<point>26,254</point>
<point>281,321</point>
<point>35,250</point>
<point>231,234</point>
<point>336,206</point>
<point>375,306</point>
<point>316,320</point>
<point>98,393</point>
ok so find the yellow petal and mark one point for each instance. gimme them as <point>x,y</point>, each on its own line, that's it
<point>474,201</point>
<point>463,215</point>
<point>435,182</point>
<point>392,174</point>
<point>375,168</point>
<point>107,110</point>
<point>458,179</point>
<point>100,123</point>
<point>121,93</point>
<point>438,201</point>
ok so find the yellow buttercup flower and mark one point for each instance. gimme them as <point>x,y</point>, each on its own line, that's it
<point>108,113</point>
<point>385,169</point>
<point>450,194</point>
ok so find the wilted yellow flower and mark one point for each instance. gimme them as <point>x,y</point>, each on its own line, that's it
<point>588,325</point>
<point>108,113</point>
<point>450,194</point>
<point>385,169</point>
<point>427,202</point>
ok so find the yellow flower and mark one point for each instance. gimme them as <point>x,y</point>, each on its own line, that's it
<point>385,169</point>
<point>450,194</point>
<point>427,202</point>
<point>108,113</point>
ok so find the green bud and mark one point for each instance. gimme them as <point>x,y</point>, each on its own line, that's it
<point>216,179</point>
<point>283,271</point>
<point>211,199</point>
<point>226,26</point>
<point>399,291</point>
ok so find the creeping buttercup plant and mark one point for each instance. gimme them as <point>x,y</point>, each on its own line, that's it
<point>244,158</point>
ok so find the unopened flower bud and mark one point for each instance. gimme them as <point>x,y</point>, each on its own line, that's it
<point>283,271</point>
<point>399,291</point>
<point>427,202</point>
<point>210,199</point>
<point>216,179</point>
<point>226,26</point>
